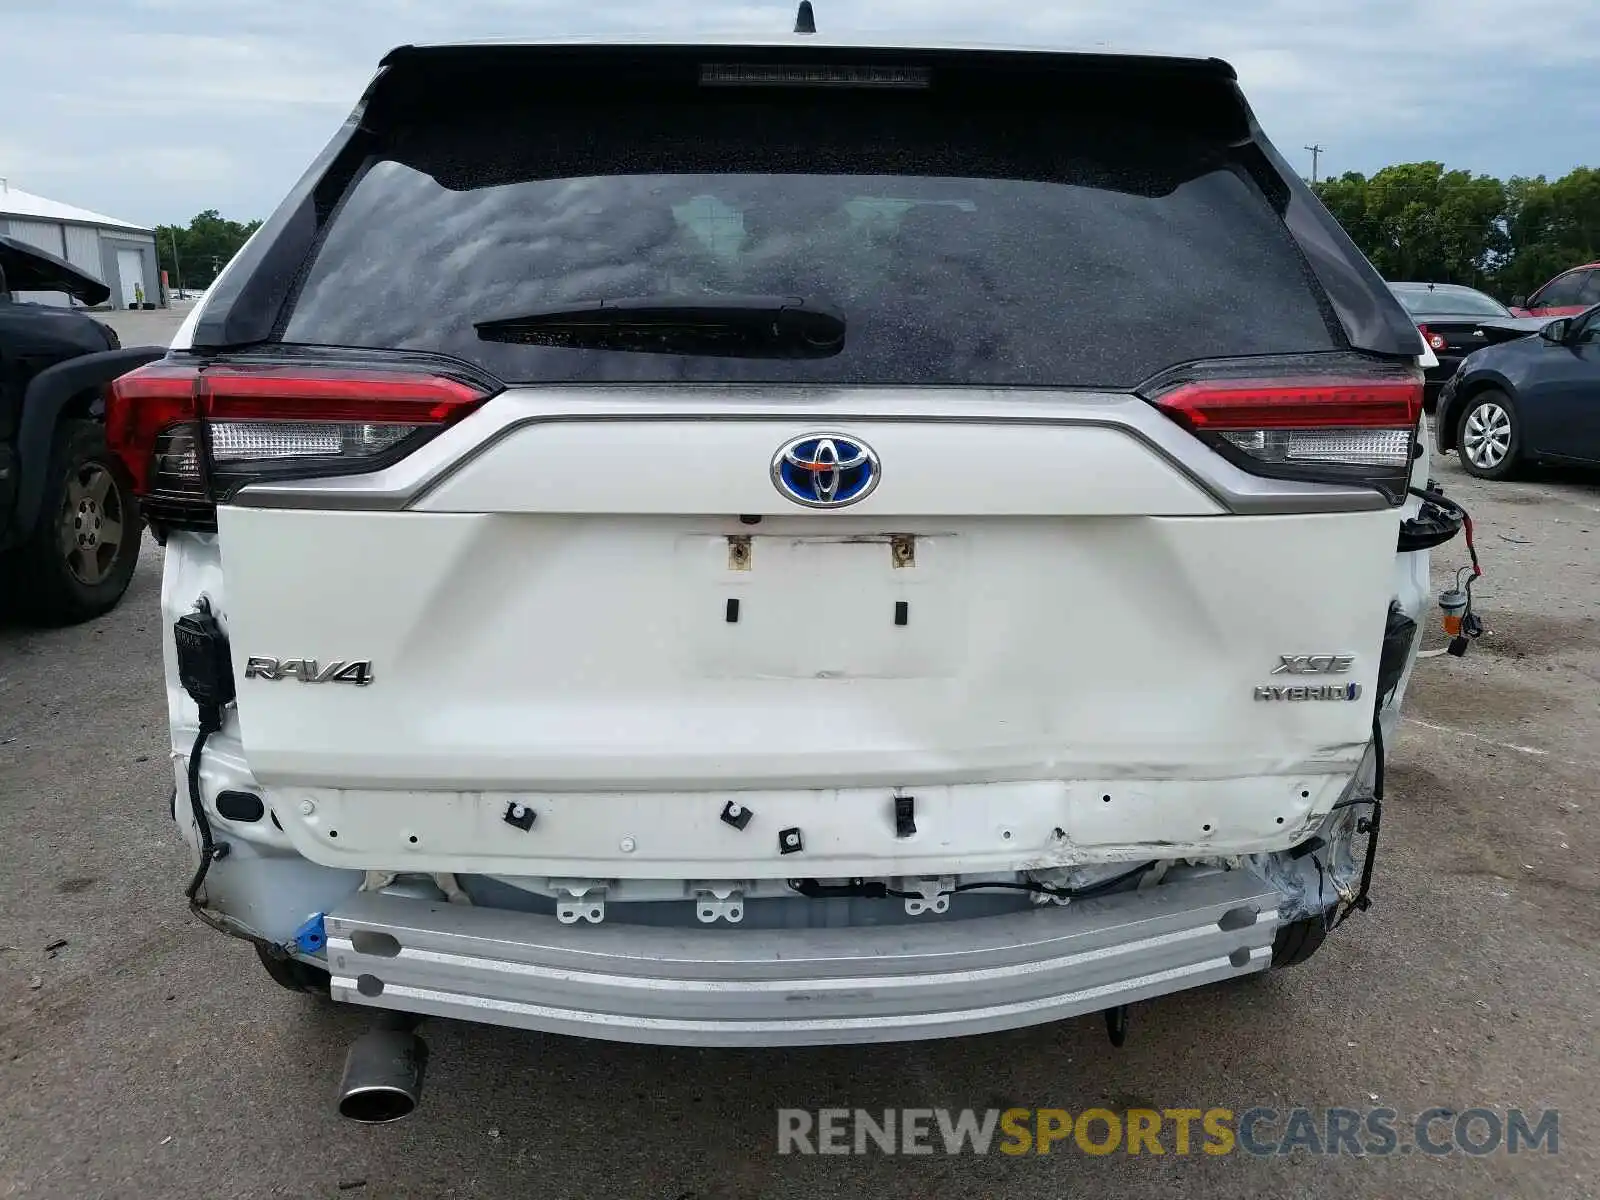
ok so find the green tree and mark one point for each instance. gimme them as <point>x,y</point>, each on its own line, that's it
<point>1550,226</point>
<point>203,247</point>
<point>1420,221</point>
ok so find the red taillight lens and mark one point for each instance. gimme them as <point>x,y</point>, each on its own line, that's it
<point>1229,404</point>
<point>1320,430</point>
<point>1435,341</point>
<point>142,405</point>
<point>260,421</point>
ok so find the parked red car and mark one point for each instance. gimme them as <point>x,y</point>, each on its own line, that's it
<point>1574,291</point>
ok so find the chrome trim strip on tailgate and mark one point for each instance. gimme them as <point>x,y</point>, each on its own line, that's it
<point>759,987</point>
<point>401,486</point>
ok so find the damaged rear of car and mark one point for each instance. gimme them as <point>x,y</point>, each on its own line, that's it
<point>764,545</point>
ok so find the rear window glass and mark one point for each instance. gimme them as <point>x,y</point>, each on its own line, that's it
<point>972,249</point>
<point>1446,301</point>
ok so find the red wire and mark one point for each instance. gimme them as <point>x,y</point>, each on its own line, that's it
<point>1442,500</point>
<point>1472,549</point>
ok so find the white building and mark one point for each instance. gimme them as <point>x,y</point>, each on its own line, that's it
<point>119,254</point>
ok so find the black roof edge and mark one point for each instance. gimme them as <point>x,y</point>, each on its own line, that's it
<point>811,50</point>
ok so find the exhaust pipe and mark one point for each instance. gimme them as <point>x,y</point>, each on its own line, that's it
<point>383,1072</point>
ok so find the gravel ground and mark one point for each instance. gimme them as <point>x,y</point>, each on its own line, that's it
<point>148,1056</point>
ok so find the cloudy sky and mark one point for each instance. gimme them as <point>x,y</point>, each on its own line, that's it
<point>152,110</point>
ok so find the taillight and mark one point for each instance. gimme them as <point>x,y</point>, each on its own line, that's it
<point>1435,341</point>
<point>1329,430</point>
<point>191,433</point>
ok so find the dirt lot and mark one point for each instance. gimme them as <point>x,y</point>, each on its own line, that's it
<point>148,1056</point>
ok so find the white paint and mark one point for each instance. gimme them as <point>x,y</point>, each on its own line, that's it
<point>846,831</point>
<point>183,339</point>
<point>591,653</point>
<point>1083,623</point>
<point>655,467</point>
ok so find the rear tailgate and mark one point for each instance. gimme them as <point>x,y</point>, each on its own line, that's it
<point>555,615</point>
<point>598,594</point>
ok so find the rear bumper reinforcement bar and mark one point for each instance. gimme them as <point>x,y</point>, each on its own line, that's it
<point>756,987</point>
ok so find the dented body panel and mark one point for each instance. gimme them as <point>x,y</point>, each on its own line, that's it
<point>392,816</point>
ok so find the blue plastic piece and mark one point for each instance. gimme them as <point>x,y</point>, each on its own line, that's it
<point>310,938</point>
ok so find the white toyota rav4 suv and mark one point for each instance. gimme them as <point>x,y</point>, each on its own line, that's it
<point>779,544</point>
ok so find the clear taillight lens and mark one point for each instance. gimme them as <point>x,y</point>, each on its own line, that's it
<point>176,464</point>
<point>189,431</point>
<point>244,441</point>
<point>1329,430</point>
<point>1370,447</point>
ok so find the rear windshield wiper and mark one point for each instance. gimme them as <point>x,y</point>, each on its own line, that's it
<point>721,326</point>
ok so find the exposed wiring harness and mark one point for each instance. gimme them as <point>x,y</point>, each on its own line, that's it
<point>1471,573</point>
<point>201,647</point>
<point>210,851</point>
<point>1461,622</point>
<point>874,890</point>
<point>1369,825</point>
<point>1450,506</point>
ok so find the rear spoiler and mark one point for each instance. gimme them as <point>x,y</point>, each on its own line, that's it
<point>1199,98</point>
<point>413,79</point>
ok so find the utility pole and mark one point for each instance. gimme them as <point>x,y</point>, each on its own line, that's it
<point>177,266</point>
<point>1316,153</point>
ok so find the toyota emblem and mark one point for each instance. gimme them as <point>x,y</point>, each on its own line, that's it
<point>825,470</point>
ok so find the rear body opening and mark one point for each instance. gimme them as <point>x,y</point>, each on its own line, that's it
<point>726,546</point>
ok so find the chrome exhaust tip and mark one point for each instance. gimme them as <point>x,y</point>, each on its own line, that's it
<point>382,1079</point>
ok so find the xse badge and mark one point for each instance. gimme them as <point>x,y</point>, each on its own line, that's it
<point>1313,664</point>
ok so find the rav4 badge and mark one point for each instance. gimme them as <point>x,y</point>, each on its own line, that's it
<point>306,670</point>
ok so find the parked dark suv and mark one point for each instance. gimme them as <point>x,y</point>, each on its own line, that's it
<point>69,521</point>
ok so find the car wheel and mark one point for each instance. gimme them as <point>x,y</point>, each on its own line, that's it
<point>293,974</point>
<point>1488,439</point>
<point>80,557</point>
